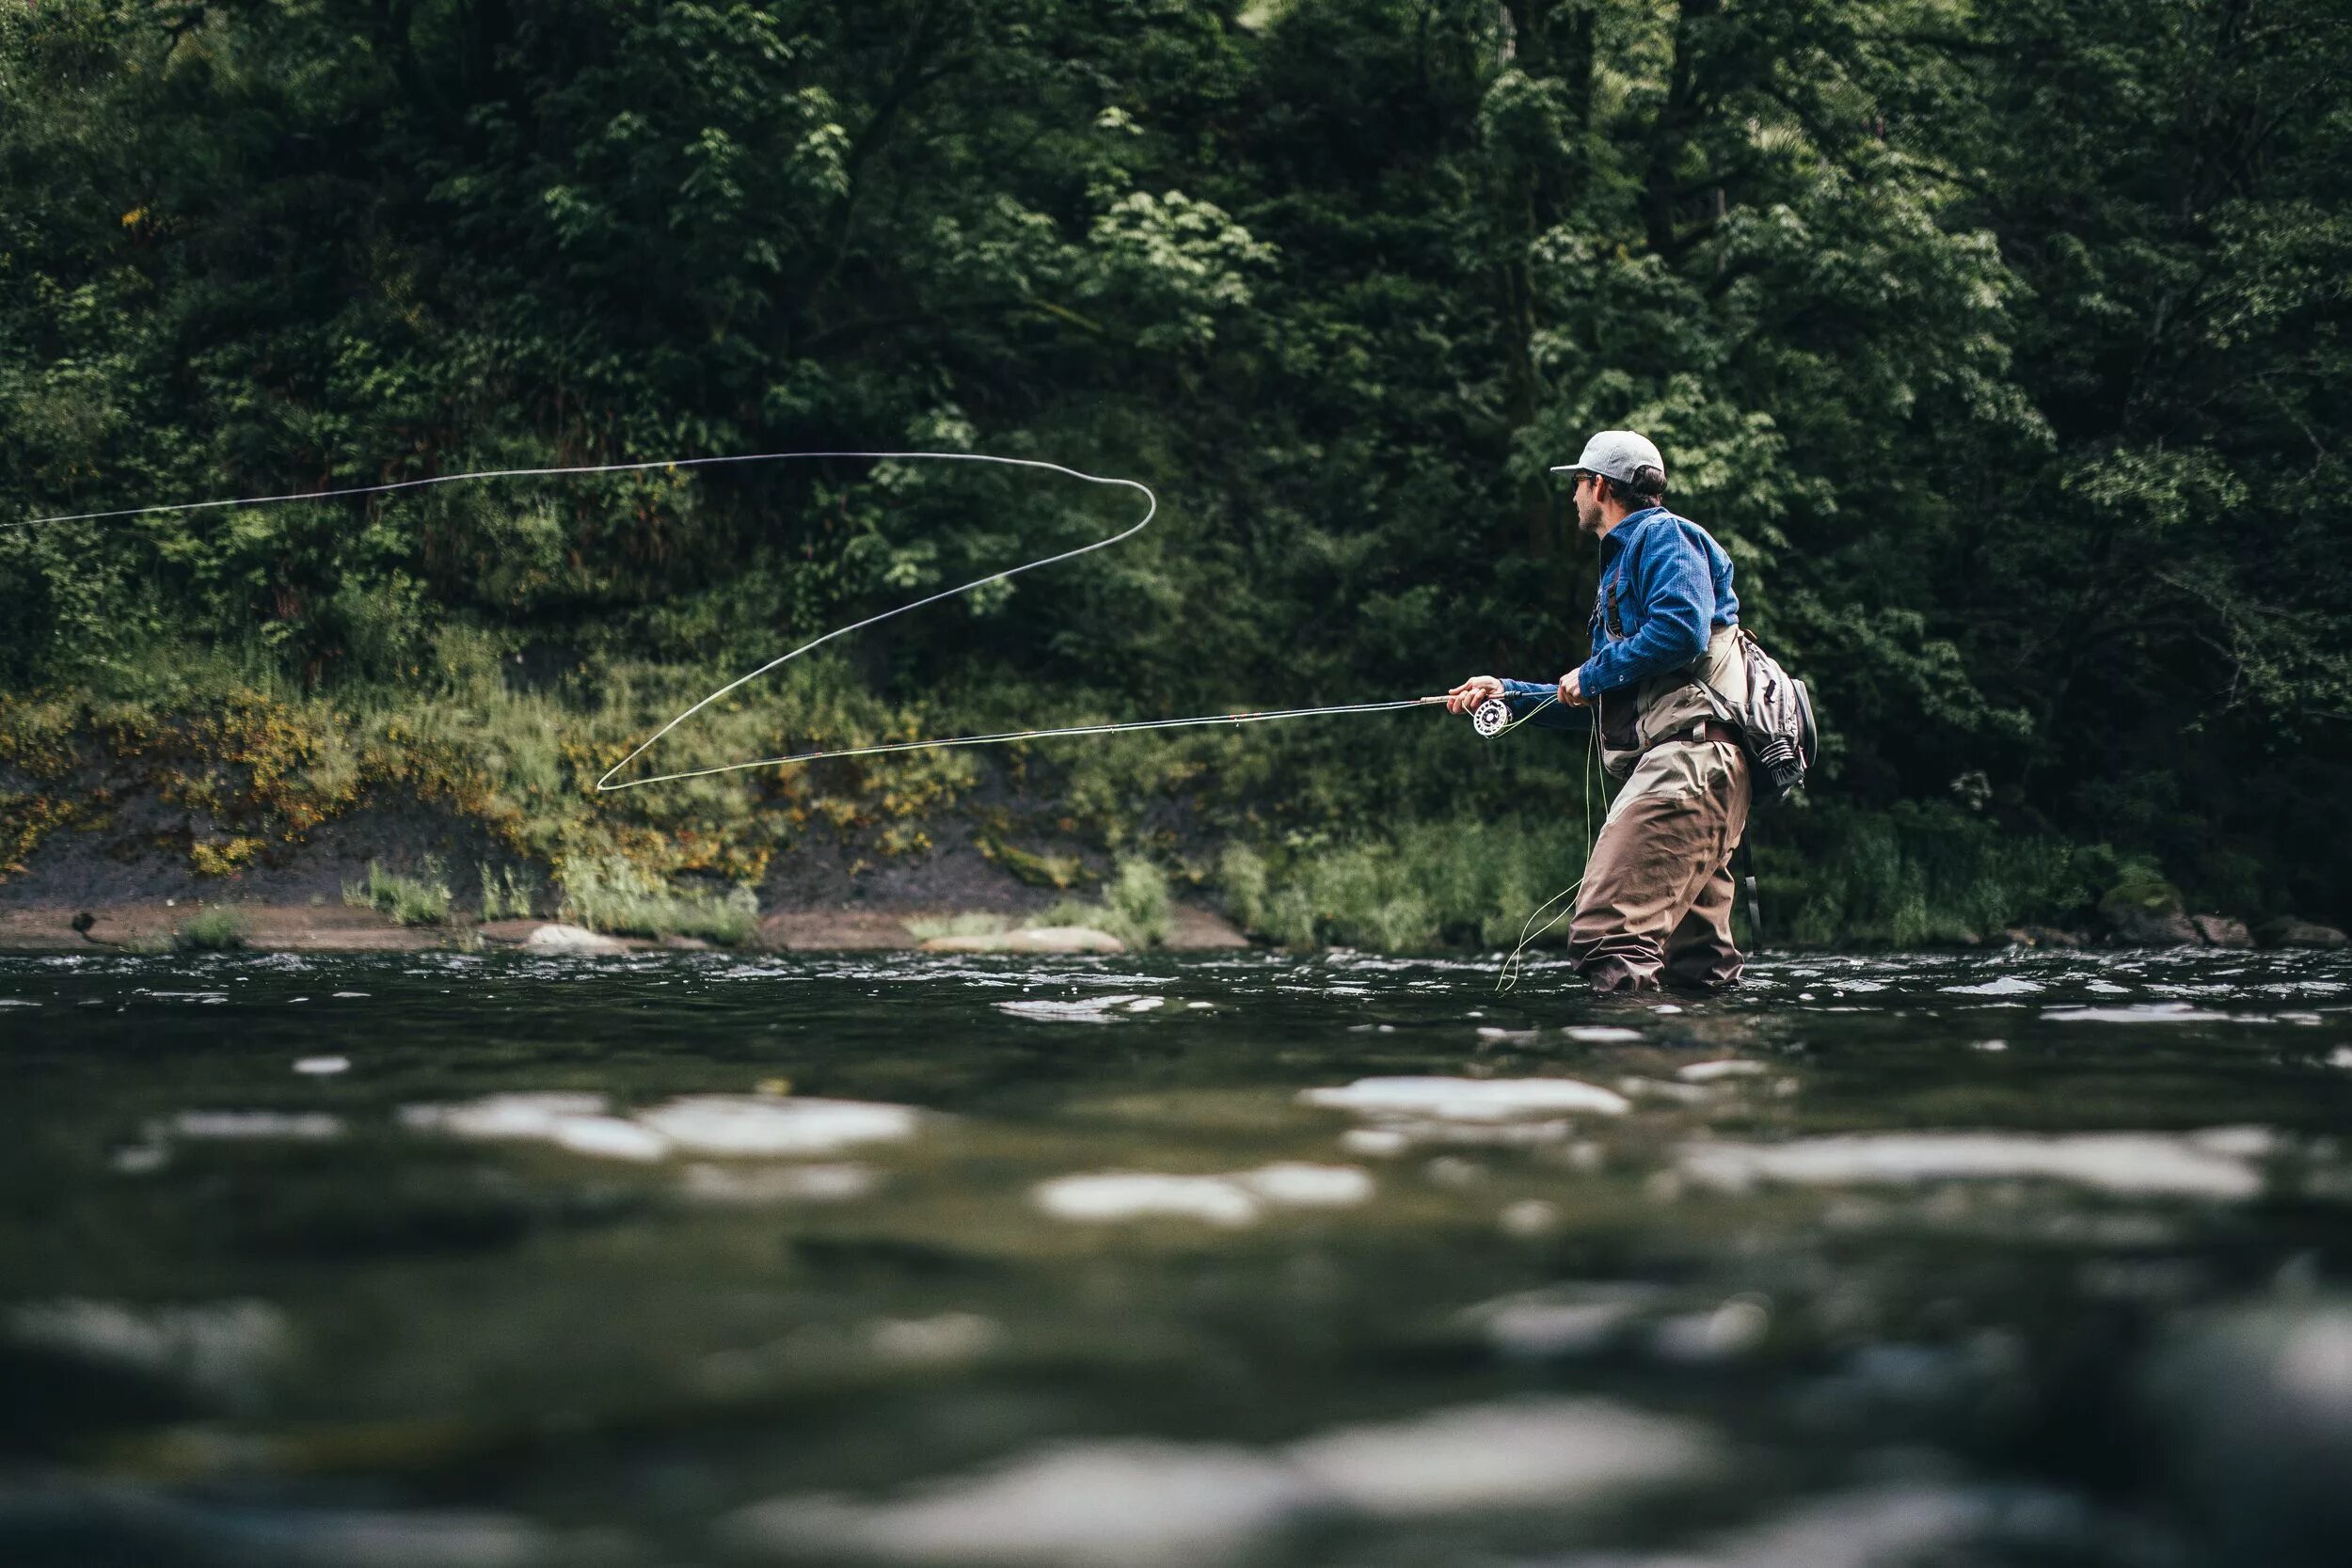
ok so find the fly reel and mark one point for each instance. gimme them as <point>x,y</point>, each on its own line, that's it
<point>1492,718</point>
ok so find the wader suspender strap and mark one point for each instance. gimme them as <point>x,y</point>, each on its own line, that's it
<point>1755,909</point>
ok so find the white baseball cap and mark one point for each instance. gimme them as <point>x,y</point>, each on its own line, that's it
<point>1617,454</point>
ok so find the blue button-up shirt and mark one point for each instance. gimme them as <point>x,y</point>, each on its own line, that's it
<point>1665,586</point>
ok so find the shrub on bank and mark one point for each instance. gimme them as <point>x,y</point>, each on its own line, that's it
<point>1908,877</point>
<point>213,931</point>
<point>1917,875</point>
<point>422,899</point>
<point>1432,884</point>
<point>606,893</point>
<point>507,893</point>
<point>1135,907</point>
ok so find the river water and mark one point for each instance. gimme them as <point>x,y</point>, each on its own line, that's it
<point>488,1261</point>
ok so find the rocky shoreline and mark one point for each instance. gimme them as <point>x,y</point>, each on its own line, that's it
<point>157,925</point>
<point>160,924</point>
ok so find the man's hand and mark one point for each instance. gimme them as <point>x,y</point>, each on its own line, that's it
<point>1467,696</point>
<point>1571,690</point>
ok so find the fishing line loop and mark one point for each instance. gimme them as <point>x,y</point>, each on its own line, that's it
<point>609,782</point>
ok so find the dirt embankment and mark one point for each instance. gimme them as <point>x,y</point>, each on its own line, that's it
<point>94,893</point>
<point>331,928</point>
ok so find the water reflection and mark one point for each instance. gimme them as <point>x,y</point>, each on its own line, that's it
<point>444,1258</point>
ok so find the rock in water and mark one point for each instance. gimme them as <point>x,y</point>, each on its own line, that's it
<point>555,938</point>
<point>2287,931</point>
<point>1039,938</point>
<point>2144,910</point>
<point>2137,928</point>
<point>2220,930</point>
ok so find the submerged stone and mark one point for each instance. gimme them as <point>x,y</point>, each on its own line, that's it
<point>2147,1164</point>
<point>1239,1197</point>
<point>1563,1320</point>
<point>1294,1184</point>
<point>741,1126</point>
<point>763,1125</point>
<point>1710,1072</point>
<point>1135,1195</point>
<point>2145,1012</point>
<point>1552,1454</point>
<point>531,1114</point>
<point>609,1138</point>
<point>1085,1009</point>
<point>1468,1098</point>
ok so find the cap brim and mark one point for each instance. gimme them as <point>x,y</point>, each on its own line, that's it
<point>1565,468</point>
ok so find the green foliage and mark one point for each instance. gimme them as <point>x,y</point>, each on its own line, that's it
<point>2141,892</point>
<point>507,893</point>
<point>422,899</point>
<point>609,894</point>
<point>1029,866</point>
<point>1916,876</point>
<point>1429,885</point>
<point>1135,907</point>
<point>1138,901</point>
<point>213,930</point>
<point>2002,343</point>
<point>923,927</point>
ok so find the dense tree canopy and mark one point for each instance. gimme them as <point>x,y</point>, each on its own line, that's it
<point>2003,343</point>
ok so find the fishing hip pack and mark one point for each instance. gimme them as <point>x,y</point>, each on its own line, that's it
<point>1775,722</point>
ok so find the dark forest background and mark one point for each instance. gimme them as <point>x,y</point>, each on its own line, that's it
<point>2003,342</point>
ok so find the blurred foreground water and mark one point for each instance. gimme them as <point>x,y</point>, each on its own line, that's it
<point>491,1263</point>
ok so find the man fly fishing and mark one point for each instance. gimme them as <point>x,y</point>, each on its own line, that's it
<point>1657,894</point>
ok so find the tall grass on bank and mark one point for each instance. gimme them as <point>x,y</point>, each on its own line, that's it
<point>213,931</point>
<point>422,899</point>
<point>1909,876</point>
<point>506,893</point>
<point>1921,876</point>
<point>1433,884</point>
<point>977,924</point>
<point>606,893</point>
<point>1135,907</point>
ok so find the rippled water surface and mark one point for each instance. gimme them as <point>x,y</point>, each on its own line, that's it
<point>2017,1258</point>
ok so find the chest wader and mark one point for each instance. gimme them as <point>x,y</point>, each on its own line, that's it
<point>1658,895</point>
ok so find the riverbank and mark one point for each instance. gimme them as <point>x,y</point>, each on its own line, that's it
<point>154,925</point>
<point>157,925</point>
<point>145,817</point>
<point>476,800</point>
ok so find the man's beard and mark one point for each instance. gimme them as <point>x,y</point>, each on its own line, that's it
<point>1588,516</point>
